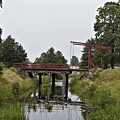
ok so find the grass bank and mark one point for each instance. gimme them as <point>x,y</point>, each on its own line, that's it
<point>102,92</point>
<point>13,87</point>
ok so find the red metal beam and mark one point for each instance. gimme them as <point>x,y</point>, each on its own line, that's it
<point>91,45</point>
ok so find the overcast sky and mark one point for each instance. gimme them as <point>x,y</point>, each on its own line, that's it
<point>41,24</point>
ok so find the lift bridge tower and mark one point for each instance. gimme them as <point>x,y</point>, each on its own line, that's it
<point>90,46</point>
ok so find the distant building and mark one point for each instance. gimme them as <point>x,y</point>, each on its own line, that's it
<point>75,67</point>
<point>116,66</point>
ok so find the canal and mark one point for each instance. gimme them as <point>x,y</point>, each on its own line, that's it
<point>55,109</point>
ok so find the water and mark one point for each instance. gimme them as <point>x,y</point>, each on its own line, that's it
<point>55,111</point>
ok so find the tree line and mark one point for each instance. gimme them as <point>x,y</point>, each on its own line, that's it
<point>12,51</point>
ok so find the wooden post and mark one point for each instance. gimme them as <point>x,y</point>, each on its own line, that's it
<point>53,84</point>
<point>35,78</point>
<point>49,82</point>
<point>63,86</point>
<point>66,87</point>
<point>40,85</point>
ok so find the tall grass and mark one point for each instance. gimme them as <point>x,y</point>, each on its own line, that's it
<point>12,86</point>
<point>101,91</point>
<point>11,112</point>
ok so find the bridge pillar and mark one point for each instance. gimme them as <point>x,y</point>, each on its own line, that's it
<point>53,84</point>
<point>63,86</point>
<point>34,93</point>
<point>66,87</point>
<point>49,83</point>
<point>35,78</point>
<point>40,85</point>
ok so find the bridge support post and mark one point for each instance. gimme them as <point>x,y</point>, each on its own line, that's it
<point>34,93</point>
<point>53,84</point>
<point>35,78</point>
<point>49,82</point>
<point>66,87</point>
<point>63,86</point>
<point>40,85</point>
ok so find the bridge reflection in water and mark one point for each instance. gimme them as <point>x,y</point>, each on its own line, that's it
<point>55,110</point>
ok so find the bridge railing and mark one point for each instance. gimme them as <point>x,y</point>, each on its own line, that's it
<point>40,65</point>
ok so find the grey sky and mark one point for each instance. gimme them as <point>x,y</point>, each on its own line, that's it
<point>41,24</point>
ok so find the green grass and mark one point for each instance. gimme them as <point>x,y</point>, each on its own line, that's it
<point>101,91</point>
<point>12,88</point>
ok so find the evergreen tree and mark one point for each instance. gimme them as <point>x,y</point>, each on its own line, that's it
<point>107,28</point>
<point>1,3</point>
<point>12,51</point>
<point>0,34</point>
<point>74,61</point>
<point>59,58</point>
<point>0,44</point>
<point>51,57</point>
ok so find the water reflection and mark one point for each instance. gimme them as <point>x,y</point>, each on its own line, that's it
<point>54,109</point>
<point>58,112</point>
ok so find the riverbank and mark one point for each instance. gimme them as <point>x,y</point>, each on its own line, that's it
<point>13,89</point>
<point>101,92</point>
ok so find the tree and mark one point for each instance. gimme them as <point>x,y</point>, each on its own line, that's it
<point>59,57</point>
<point>0,44</point>
<point>51,57</point>
<point>84,58</point>
<point>74,61</point>
<point>0,34</point>
<point>1,3</point>
<point>107,28</point>
<point>12,51</point>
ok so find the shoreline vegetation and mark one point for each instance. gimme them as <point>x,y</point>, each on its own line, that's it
<point>13,89</point>
<point>101,91</point>
<point>15,92</point>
